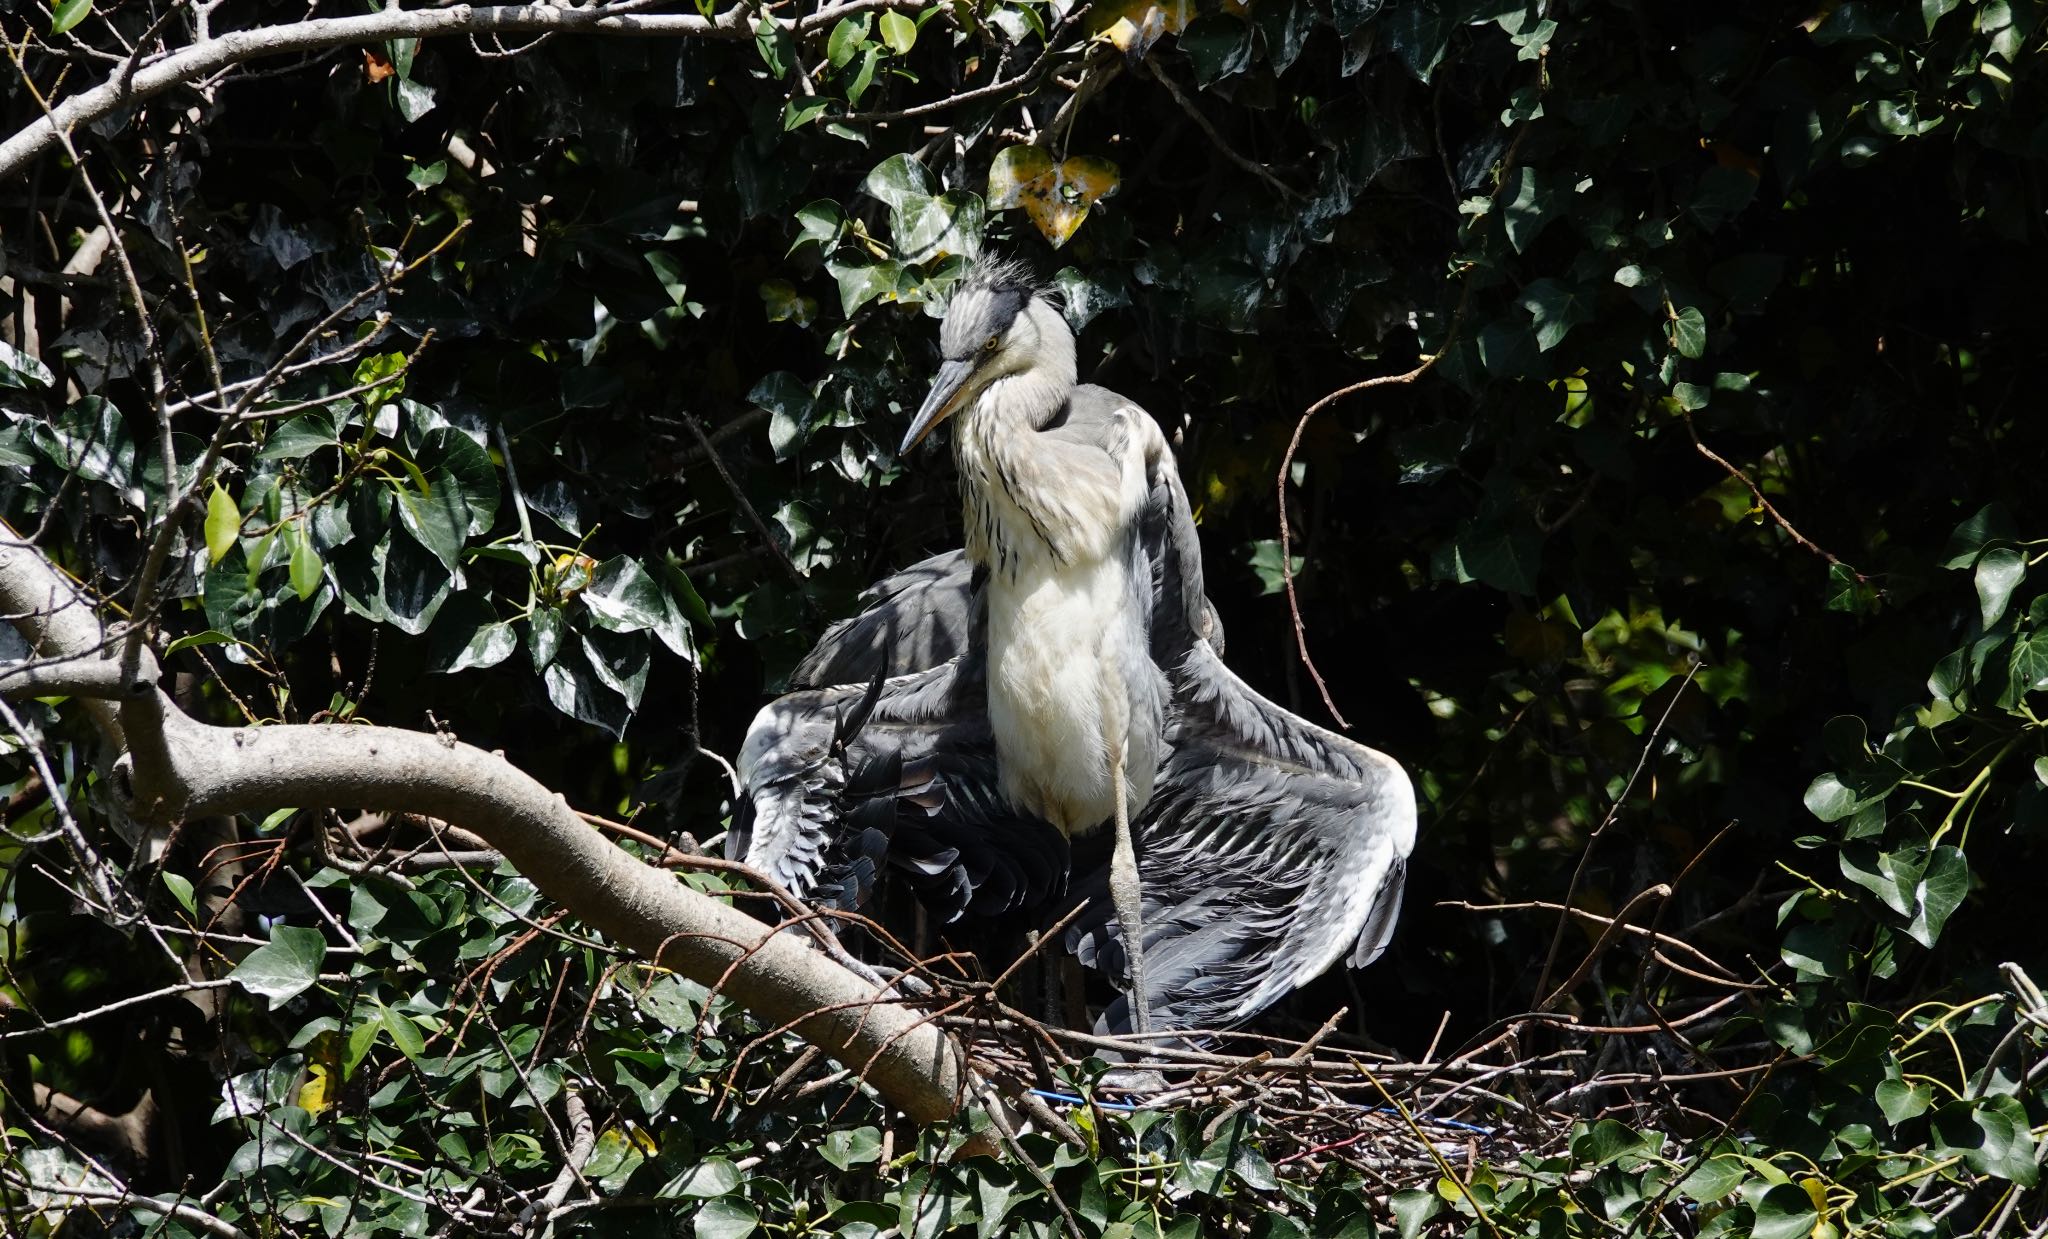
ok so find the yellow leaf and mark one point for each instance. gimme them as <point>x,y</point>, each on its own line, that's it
<point>1174,15</point>
<point>1015,168</point>
<point>1056,197</point>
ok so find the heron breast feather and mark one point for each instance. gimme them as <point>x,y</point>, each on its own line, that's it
<point>1056,700</point>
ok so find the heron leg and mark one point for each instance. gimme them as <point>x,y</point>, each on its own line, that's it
<point>1125,894</point>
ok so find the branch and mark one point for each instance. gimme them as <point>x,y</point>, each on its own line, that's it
<point>1287,466</point>
<point>209,56</point>
<point>178,768</point>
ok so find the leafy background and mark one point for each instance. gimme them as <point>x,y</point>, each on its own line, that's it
<point>1709,534</point>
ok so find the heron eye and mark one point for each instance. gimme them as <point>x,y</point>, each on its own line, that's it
<point>989,345</point>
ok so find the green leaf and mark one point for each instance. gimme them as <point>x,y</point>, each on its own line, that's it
<point>707,1180</point>
<point>1712,1179</point>
<point>1999,572</point>
<point>1530,208</point>
<point>846,40</point>
<point>846,1148</point>
<point>415,98</point>
<point>181,890</point>
<point>898,181</point>
<point>1218,46</point>
<point>451,455</point>
<point>18,369</point>
<point>1555,308</point>
<point>1689,332</point>
<point>1989,524</point>
<point>1785,1212</point>
<point>1991,1135</point>
<point>899,32</point>
<point>302,436</point>
<point>1412,1208</point>
<point>306,572</point>
<point>862,279</point>
<point>223,523</point>
<point>725,1219</point>
<point>438,519</point>
<point>486,647</point>
<point>405,1034</point>
<point>777,49</point>
<point>428,175</point>
<point>210,637</point>
<point>1941,892</point>
<point>67,14</point>
<point>821,222</point>
<point>1608,1141</point>
<point>1418,32</point>
<point>1901,1101</point>
<point>1265,562</point>
<point>864,76</point>
<point>285,966</point>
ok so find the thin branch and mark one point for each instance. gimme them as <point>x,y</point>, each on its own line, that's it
<point>1765,505</point>
<point>1287,466</point>
<point>1158,74</point>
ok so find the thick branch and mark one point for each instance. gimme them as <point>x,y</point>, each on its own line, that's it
<point>59,624</point>
<point>190,64</point>
<point>180,769</point>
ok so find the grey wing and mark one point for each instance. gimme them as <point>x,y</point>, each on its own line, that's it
<point>842,783</point>
<point>915,620</point>
<point>1270,849</point>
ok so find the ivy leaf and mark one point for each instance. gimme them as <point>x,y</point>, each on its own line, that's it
<point>284,967</point>
<point>302,436</point>
<point>846,1148</point>
<point>1999,572</point>
<point>707,1180</point>
<point>1556,309</point>
<point>1689,332</point>
<point>1940,893</point>
<point>1785,1212</point>
<point>1218,46</point>
<point>1990,523</point>
<point>725,1219</point>
<point>1530,208</point>
<point>1901,1101</point>
<point>1412,1208</point>
<point>1056,197</point>
<point>18,369</point>
<point>223,523</point>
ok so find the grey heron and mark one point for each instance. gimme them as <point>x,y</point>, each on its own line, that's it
<point>1075,702</point>
<point>1270,847</point>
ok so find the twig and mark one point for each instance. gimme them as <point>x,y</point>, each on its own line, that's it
<point>1769,509</point>
<point>1586,855</point>
<point>1287,466</point>
<point>1158,74</point>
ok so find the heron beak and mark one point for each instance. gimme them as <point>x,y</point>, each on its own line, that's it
<point>949,390</point>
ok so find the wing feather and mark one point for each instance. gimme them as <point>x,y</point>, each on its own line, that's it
<point>1270,850</point>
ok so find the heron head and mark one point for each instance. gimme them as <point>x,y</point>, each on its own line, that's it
<point>998,324</point>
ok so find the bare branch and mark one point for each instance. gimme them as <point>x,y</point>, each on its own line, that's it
<point>198,61</point>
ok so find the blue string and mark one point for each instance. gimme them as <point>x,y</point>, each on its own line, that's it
<point>1073,1100</point>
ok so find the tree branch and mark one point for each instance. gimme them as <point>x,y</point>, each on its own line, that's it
<point>209,56</point>
<point>178,768</point>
